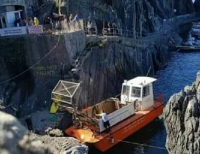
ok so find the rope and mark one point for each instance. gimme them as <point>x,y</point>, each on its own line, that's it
<point>146,145</point>
<point>33,64</point>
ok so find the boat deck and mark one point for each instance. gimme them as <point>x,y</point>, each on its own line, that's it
<point>85,135</point>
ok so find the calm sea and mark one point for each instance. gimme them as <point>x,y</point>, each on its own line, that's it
<point>180,70</point>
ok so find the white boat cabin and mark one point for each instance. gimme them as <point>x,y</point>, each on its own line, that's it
<point>138,89</point>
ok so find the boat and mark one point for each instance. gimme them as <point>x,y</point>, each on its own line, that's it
<point>135,108</point>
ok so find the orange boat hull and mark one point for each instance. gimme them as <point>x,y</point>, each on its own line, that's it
<point>120,131</point>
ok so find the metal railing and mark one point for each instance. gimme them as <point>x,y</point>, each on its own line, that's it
<point>58,27</point>
<point>63,27</point>
<point>122,33</point>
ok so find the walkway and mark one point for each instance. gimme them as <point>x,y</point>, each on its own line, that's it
<point>127,38</point>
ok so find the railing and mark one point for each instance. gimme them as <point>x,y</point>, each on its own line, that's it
<point>63,27</point>
<point>122,33</point>
<point>54,28</point>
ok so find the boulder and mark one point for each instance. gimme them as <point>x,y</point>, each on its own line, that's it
<point>16,139</point>
<point>11,132</point>
<point>181,118</point>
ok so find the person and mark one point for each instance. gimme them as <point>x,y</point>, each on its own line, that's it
<point>24,22</point>
<point>21,23</point>
<point>70,17</point>
<point>30,22</point>
<point>114,26</point>
<point>29,124</point>
<point>109,29</point>
<point>89,26</point>
<point>47,19</point>
<point>76,18</point>
<point>64,23</point>
<point>106,122</point>
<point>36,21</point>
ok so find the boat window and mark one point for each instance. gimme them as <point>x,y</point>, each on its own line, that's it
<point>135,92</point>
<point>146,91</point>
<point>125,90</point>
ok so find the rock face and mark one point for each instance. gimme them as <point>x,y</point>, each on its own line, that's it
<point>32,65</point>
<point>103,69</point>
<point>138,16</point>
<point>41,59</point>
<point>181,118</point>
<point>12,132</point>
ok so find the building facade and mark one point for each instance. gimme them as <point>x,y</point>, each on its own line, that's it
<point>10,11</point>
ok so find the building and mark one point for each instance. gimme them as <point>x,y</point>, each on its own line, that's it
<point>10,11</point>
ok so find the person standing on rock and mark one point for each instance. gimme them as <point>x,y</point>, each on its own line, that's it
<point>29,123</point>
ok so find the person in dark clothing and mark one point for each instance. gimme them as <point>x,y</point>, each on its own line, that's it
<point>47,19</point>
<point>29,124</point>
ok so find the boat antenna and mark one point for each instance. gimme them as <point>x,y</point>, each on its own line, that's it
<point>148,71</point>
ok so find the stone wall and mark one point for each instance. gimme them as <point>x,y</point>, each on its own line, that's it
<point>31,66</point>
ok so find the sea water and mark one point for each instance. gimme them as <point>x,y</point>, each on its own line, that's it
<point>179,71</point>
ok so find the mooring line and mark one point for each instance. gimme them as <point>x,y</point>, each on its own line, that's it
<point>134,143</point>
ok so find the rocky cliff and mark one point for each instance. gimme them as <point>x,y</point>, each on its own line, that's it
<point>181,118</point>
<point>138,16</point>
<point>32,65</point>
<point>103,69</point>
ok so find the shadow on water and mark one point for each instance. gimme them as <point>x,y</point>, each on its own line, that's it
<point>146,136</point>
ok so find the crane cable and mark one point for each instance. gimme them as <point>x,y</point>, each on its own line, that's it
<point>16,76</point>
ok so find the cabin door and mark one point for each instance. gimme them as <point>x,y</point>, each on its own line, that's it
<point>147,97</point>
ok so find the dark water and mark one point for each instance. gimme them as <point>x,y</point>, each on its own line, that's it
<point>180,70</point>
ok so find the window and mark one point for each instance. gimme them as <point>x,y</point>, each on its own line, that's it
<point>135,92</point>
<point>125,90</point>
<point>146,91</point>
